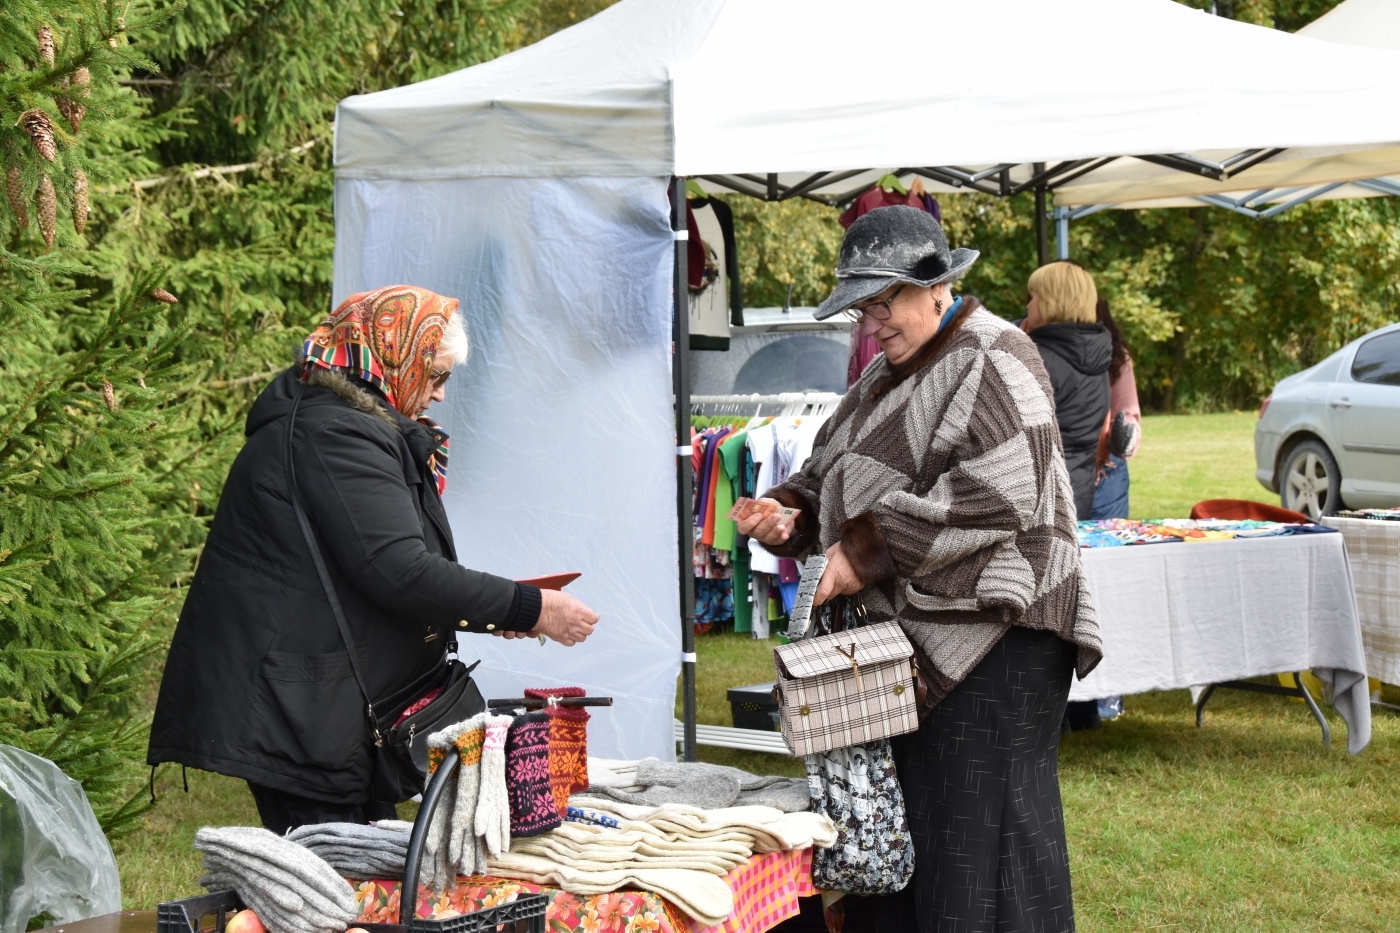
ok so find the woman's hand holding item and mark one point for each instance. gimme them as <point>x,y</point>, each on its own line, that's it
<point>766,528</point>
<point>839,578</point>
<point>562,618</point>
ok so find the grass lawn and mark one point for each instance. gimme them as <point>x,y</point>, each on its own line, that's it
<point>1245,825</point>
<point>1184,459</point>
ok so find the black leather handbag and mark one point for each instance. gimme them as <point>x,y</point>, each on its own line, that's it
<point>400,749</point>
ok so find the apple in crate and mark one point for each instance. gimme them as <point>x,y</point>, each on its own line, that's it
<point>245,921</point>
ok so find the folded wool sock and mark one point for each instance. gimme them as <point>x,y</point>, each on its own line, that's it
<point>790,795</point>
<point>370,835</point>
<point>492,820</point>
<point>291,888</point>
<point>532,809</point>
<point>611,772</point>
<point>709,791</point>
<point>462,847</point>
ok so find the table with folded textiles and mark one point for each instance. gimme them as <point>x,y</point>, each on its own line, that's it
<point>1373,547</point>
<point>765,888</point>
<point>1184,603</point>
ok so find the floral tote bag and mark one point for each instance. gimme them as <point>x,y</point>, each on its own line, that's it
<point>856,786</point>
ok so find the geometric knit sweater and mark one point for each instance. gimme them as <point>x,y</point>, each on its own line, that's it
<point>950,497</point>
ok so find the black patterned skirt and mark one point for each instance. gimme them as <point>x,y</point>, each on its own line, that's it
<point>982,787</point>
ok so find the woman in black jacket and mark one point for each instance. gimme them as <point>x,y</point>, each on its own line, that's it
<point>258,684</point>
<point>1076,350</point>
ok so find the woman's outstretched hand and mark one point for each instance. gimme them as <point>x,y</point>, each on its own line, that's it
<point>562,618</point>
<point>765,528</point>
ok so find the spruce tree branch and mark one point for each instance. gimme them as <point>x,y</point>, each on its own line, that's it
<point>207,172</point>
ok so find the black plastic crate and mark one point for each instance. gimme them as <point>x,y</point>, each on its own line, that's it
<point>522,915</point>
<point>753,707</point>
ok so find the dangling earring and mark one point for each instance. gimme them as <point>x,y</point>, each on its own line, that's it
<point>938,306</point>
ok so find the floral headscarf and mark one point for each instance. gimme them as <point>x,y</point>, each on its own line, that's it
<point>388,338</point>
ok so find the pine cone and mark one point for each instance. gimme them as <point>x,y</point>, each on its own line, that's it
<point>46,45</point>
<point>14,189</point>
<point>109,395</point>
<point>80,201</point>
<point>48,209</point>
<point>72,110</point>
<point>164,297</point>
<point>40,130</point>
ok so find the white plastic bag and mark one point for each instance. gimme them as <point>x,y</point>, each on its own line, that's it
<point>54,858</point>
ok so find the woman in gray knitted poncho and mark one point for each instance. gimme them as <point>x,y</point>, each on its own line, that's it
<point>939,493</point>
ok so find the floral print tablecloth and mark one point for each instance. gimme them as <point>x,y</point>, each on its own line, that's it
<point>766,889</point>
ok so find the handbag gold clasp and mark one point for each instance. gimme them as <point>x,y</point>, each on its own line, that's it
<point>855,666</point>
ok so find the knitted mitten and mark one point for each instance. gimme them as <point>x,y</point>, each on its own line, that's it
<point>492,820</point>
<point>568,745</point>
<point>532,809</point>
<point>461,848</point>
<point>437,871</point>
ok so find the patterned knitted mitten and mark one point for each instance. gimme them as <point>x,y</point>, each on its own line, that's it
<point>568,745</point>
<point>461,847</point>
<point>532,808</point>
<point>492,820</point>
<point>437,871</point>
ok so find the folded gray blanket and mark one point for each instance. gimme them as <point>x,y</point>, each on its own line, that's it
<point>291,889</point>
<point>709,786</point>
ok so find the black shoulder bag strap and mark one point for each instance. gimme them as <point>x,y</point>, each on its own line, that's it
<point>320,563</point>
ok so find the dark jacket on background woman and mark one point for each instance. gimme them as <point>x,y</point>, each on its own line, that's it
<point>1076,357</point>
<point>258,684</point>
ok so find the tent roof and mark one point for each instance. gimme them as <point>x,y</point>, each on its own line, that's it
<point>1372,23</point>
<point>737,89</point>
<point>1291,178</point>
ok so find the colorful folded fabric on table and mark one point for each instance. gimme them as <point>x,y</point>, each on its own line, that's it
<point>1117,532</point>
<point>765,889</point>
<point>1378,515</point>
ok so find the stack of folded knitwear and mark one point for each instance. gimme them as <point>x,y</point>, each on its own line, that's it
<point>377,850</point>
<point>681,852</point>
<point>289,887</point>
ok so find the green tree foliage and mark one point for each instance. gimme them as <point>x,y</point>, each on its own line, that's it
<point>90,534</point>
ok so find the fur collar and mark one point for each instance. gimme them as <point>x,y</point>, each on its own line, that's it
<point>360,398</point>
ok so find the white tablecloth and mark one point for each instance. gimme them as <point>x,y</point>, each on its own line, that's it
<point>1373,548</point>
<point>1177,615</point>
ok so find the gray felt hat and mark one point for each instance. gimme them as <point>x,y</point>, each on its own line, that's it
<point>888,245</point>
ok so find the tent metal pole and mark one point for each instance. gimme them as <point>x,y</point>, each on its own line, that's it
<point>1061,233</point>
<point>1042,233</point>
<point>685,521</point>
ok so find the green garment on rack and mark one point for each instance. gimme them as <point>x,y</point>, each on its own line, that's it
<point>731,461</point>
<point>743,595</point>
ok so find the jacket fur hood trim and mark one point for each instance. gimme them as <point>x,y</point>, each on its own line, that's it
<point>361,399</point>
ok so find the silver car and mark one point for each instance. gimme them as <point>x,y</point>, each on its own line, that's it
<point>1328,437</point>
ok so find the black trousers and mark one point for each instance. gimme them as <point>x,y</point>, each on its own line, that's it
<point>281,811</point>
<point>981,785</point>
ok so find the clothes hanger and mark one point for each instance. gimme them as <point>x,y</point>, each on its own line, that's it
<point>892,183</point>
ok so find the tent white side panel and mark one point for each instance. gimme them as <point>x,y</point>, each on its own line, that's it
<point>563,447</point>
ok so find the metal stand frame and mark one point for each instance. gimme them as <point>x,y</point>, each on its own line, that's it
<point>685,521</point>
<point>1278,690</point>
<point>414,861</point>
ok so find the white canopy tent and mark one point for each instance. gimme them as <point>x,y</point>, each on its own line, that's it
<point>537,189</point>
<point>1290,179</point>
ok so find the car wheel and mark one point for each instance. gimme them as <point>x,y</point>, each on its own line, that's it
<point>1312,484</point>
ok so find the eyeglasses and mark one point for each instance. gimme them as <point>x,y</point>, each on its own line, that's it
<point>439,377</point>
<point>880,310</point>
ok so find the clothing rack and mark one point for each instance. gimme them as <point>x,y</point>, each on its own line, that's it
<point>790,404</point>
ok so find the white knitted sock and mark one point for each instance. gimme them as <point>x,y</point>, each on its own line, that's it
<point>492,820</point>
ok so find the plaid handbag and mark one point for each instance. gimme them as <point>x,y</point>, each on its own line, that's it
<point>847,688</point>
